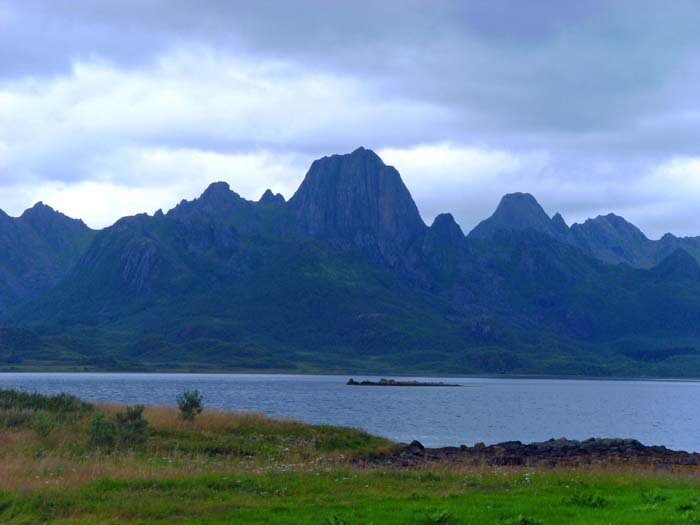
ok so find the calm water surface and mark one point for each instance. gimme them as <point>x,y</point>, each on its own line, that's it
<point>484,409</point>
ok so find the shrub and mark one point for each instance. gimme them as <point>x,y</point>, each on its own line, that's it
<point>594,500</point>
<point>42,424</point>
<point>15,419</point>
<point>652,497</point>
<point>60,403</point>
<point>132,427</point>
<point>437,517</point>
<point>687,507</point>
<point>190,404</point>
<point>103,433</point>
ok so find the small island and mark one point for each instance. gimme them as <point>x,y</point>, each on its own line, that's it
<point>393,382</point>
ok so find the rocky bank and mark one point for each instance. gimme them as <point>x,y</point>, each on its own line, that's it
<point>553,453</point>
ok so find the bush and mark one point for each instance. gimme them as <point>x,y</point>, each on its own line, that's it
<point>594,500</point>
<point>652,497</point>
<point>437,517</point>
<point>60,403</point>
<point>42,424</point>
<point>132,427</point>
<point>190,404</point>
<point>15,419</point>
<point>103,433</point>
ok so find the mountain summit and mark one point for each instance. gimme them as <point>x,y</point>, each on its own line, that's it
<point>518,211</point>
<point>355,200</point>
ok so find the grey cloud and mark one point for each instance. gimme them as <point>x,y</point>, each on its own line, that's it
<point>608,89</point>
<point>502,67</point>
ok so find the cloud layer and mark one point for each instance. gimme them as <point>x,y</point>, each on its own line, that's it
<point>111,108</point>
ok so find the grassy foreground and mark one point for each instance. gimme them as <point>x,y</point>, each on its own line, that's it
<point>226,468</point>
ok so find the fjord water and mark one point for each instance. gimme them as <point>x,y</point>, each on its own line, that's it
<point>484,409</point>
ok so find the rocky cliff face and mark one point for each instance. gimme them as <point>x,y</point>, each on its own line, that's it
<point>356,201</point>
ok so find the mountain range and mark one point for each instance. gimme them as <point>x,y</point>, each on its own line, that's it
<point>608,238</point>
<point>346,277</point>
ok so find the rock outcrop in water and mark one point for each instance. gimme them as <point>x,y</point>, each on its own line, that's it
<point>393,382</point>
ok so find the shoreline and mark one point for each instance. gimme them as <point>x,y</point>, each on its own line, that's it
<point>553,453</point>
<point>289,373</point>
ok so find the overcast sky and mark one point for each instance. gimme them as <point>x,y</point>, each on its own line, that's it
<point>113,107</point>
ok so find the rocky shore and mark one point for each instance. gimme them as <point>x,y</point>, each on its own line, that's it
<point>552,453</point>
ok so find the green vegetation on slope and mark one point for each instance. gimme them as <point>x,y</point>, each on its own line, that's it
<point>344,279</point>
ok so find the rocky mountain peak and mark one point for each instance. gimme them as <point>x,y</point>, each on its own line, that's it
<point>45,219</point>
<point>445,226</point>
<point>216,191</point>
<point>271,198</point>
<point>613,225</point>
<point>217,200</point>
<point>39,207</point>
<point>516,211</point>
<point>614,240</point>
<point>355,200</point>
<point>443,241</point>
<point>559,223</point>
<point>610,228</point>
<point>39,211</point>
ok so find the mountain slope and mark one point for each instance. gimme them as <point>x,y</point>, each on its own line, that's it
<point>346,276</point>
<point>37,250</point>
<point>229,283</point>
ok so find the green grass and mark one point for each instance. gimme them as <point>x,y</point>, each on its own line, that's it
<point>230,467</point>
<point>363,497</point>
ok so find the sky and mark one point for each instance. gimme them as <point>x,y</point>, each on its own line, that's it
<point>117,107</point>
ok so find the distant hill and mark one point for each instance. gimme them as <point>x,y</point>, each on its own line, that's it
<point>346,277</point>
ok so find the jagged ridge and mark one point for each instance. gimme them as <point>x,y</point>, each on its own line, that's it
<point>346,274</point>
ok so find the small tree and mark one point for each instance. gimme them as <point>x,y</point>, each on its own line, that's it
<point>42,424</point>
<point>190,404</point>
<point>103,432</point>
<point>132,426</point>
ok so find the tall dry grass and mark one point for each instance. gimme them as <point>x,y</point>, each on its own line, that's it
<point>28,461</point>
<point>212,420</point>
<point>64,458</point>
